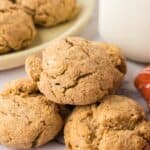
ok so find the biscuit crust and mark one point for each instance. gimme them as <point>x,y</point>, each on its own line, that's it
<point>49,12</point>
<point>75,71</point>
<point>17,30</point>
<point>27,118</point>
<point>118,60</point>
<point>117,123</point>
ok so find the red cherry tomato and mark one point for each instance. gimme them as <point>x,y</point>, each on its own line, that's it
<point>142,83</point>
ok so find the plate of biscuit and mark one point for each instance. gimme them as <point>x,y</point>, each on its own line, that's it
<point>28,26</point>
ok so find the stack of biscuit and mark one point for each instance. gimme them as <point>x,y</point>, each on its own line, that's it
<point>73,72</point>
<point>19,19</point>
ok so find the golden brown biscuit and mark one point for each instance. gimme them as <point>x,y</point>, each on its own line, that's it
<point>116,56</point>
<point>20,87</point>
<point>33,67</point>
<point>49,12</point>
<point>118,60</point>
<point>118,123</point>
<point>27,119</point>
<point>143,130</point>
<point>17,30</point>
<point>74,71</point>
<point>123,140</point>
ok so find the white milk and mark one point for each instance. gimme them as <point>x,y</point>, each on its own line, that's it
<point>127,23</point>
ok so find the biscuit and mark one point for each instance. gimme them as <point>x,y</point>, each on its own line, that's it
<point>74,71</point>
<point>118,123</point>
<point>118,60</point>
<point>143,130</point>
<point>49,12</point>
<point>17,30</point>
<point>33,67</point>
<point>28,120</point>
<point>116,56</point>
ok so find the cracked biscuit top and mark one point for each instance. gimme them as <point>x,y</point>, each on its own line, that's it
<point>118,123</point>
<point>17,30</point>
<point>49,12</point>
<point>28,120</point>
<point>74,71</point>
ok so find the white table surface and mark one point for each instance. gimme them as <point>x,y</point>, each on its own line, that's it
<point>90,32</point>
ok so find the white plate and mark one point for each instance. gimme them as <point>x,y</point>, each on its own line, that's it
<point>46,35</point>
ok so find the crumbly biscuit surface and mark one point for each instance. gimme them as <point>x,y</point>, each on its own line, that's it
<point>27,119</point>
<point>33,67</point>
<point>49,12</point>
<point>118,123</point>
<point>17,30</point>
<point>116,56</point>
<point>75,71</point>
<point>118,60</point>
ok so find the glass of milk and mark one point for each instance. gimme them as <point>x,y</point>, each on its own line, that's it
<point>127,24</point>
